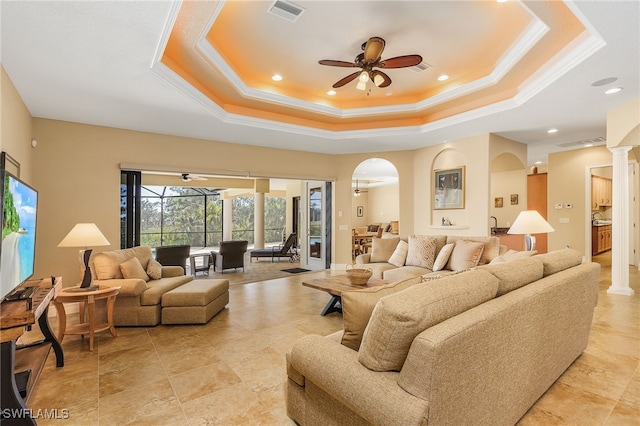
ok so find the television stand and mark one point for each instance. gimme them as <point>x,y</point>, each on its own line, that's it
<point>23,364</point>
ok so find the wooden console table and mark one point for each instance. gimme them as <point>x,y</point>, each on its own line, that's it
<point>16,317</point>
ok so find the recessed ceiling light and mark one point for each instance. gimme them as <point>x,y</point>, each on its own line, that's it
<point>588,145</point>
<point>443,77</point>
<point>552,131</point>
<point>613,90</point>
<point>276,77</point>
<point>604,81</point>
<point>501,1</point>
<point>331,92</point>
<point>538,162</point>
<point>389,93</point>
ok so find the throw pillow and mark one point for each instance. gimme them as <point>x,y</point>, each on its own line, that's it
<point>357,306</point>
<point>466,254</point>
<point>382,249</point>
<point>443,257</point>
<point>132,268</point>
<point>422,251</point>
<point>399,256</point>
<point>398,318</point>
<point>154,269</point>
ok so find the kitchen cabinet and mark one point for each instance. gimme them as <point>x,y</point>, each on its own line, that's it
<point>601,192</point>
<point>600,239</point>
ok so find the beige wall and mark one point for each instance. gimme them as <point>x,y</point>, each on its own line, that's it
<point>77,171</point>
<point>621,122</point>
<point>15,127</point>
<point>384,204</point>
<point>473,153</point>
<point>503,184</point>
<point>568,176</point>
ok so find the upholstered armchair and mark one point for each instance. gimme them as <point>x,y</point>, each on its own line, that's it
<point>231,255</point>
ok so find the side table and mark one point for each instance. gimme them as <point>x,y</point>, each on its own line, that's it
<point>86,299</point>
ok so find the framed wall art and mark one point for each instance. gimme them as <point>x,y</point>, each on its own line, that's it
<point>498,202</point>
<point>514,199</point>
<point>449,188</point>
<point>360,211</point>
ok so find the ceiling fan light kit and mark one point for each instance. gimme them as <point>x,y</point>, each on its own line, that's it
<point>368,60</point>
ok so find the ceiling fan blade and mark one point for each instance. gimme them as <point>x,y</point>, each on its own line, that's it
<point>375,76</point>
<point>332,63</point>
<point>401,61</point>
<point>373,49</point>
<point>347,79</point>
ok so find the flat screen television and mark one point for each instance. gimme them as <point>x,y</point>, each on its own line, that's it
<point>19,203</point>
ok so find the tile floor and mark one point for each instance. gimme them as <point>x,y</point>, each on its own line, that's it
<point>231,371</point>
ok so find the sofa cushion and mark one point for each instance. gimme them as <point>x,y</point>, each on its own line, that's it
<point>398,274</point>
<point>512,255</point>
<point>154,269</point>
<point>357,306</point>
<point>422,251</point>
<point>133,269</point>
<point>106,265</point>
<point>443,257</point>
<point>398,318</point>
<point>515,274</point>
<point>382,249</point>
<point>156,288</point>
<point>559,260</point>
<point>399,255</point>
<point>466,254</point>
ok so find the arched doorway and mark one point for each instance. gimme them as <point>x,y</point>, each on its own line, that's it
<point>375,201</point>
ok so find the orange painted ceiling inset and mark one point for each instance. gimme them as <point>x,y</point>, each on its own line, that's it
<point>228,51</point>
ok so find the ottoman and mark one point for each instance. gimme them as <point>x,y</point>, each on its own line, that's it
<point>195,302</point>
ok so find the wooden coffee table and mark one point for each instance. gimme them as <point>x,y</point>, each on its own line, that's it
<point>335,285</point>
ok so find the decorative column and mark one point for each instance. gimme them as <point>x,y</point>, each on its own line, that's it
<point>620,223</point>
<point>258,220</point>
<point>227,218</point>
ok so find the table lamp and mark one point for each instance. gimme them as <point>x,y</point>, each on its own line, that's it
<point>85,235</point>
<point>530,222</point>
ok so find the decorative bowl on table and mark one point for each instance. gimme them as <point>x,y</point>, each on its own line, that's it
<point>358,276</point>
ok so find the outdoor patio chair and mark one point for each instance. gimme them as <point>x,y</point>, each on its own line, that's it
<point>284,250</point>
<point>173,255</point>
<point>230,255</point>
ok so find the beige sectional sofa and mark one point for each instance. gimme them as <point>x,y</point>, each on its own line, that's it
<point>142,281</point>
<point>475,347</point>
<point>398,258</point>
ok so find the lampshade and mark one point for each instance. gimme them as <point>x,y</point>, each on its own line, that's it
<point>530,222</point>
<point>84,235</point>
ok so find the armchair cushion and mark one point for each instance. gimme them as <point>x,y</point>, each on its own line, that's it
<point>398,318</point>
<point>172,271</point>
<point>154,269</point>
<point>133,269</point>
<point>156,288</point>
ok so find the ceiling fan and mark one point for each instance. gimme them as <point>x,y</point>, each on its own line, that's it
<point>369,59</point>
<point>188,177</point>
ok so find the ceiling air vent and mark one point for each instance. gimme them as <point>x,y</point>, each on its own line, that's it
<point>594,141</point>
<point>287,10</point>
<point>420,67</point>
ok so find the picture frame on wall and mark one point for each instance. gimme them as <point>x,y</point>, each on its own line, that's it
<point>514,199</point>
<point>449,188</point>
<point>360,211</point>
<point>498,202</point>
